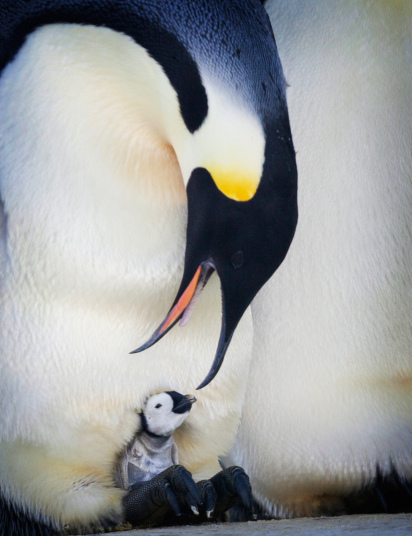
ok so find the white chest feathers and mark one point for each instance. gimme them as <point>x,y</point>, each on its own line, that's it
<point>144,458</point>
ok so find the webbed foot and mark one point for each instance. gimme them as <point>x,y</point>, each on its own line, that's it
<point>226,489</point>
<point>148,503</point>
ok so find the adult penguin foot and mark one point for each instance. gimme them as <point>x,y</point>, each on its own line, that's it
<point>389,493</point>
<point>149,503</point>
<point>228,488</point>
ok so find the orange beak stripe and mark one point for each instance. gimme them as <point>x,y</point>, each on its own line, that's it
<point>183,301</point>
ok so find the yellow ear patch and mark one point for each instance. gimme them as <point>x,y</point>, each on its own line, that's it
<point>236,185</point>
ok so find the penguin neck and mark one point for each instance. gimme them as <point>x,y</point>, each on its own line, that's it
<point>150,440</point>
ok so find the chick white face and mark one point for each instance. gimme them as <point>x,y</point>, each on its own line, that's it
<point>165,412</point>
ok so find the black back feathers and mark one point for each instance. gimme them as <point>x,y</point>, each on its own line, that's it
<point>136,19</point>
<point>14,522</point>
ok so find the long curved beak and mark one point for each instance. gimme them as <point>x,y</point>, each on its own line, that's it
<point>224,341</point>
<point>182,307</point>
<point>183,304</point>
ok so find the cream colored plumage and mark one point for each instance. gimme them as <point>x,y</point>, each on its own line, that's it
<point>82,284</point>
<point>330,397</point>
<point>91,259</point>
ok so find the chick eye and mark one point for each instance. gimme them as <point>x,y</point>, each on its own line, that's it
<point>157,406</point>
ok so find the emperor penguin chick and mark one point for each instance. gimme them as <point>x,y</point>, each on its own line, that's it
<point>153,449</point>
<point>143,464</point>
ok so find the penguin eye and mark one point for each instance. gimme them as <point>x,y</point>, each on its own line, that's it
<point>237,259</point>
<point>157,406</point>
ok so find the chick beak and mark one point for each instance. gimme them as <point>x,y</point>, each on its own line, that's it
<point>185,404</point>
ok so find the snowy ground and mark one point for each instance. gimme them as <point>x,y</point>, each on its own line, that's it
<point>371,525</point>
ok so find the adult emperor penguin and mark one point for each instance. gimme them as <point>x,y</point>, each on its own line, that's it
<point>327,419</point>
<point>139,141</point>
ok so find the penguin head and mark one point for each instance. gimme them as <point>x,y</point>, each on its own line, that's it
<point>239,167</point>
<point>165,412</point>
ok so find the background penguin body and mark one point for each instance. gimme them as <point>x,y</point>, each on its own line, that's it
<point>328,408</point>
<point>93,225</point>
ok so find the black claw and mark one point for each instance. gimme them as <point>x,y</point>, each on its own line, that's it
<point>191,487</point>
<point>191,504</point>
<point>210,500</point>
<point>107,524</point>
<point>110,522</point>
<point>243,489</point>
<point>171,497</point>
